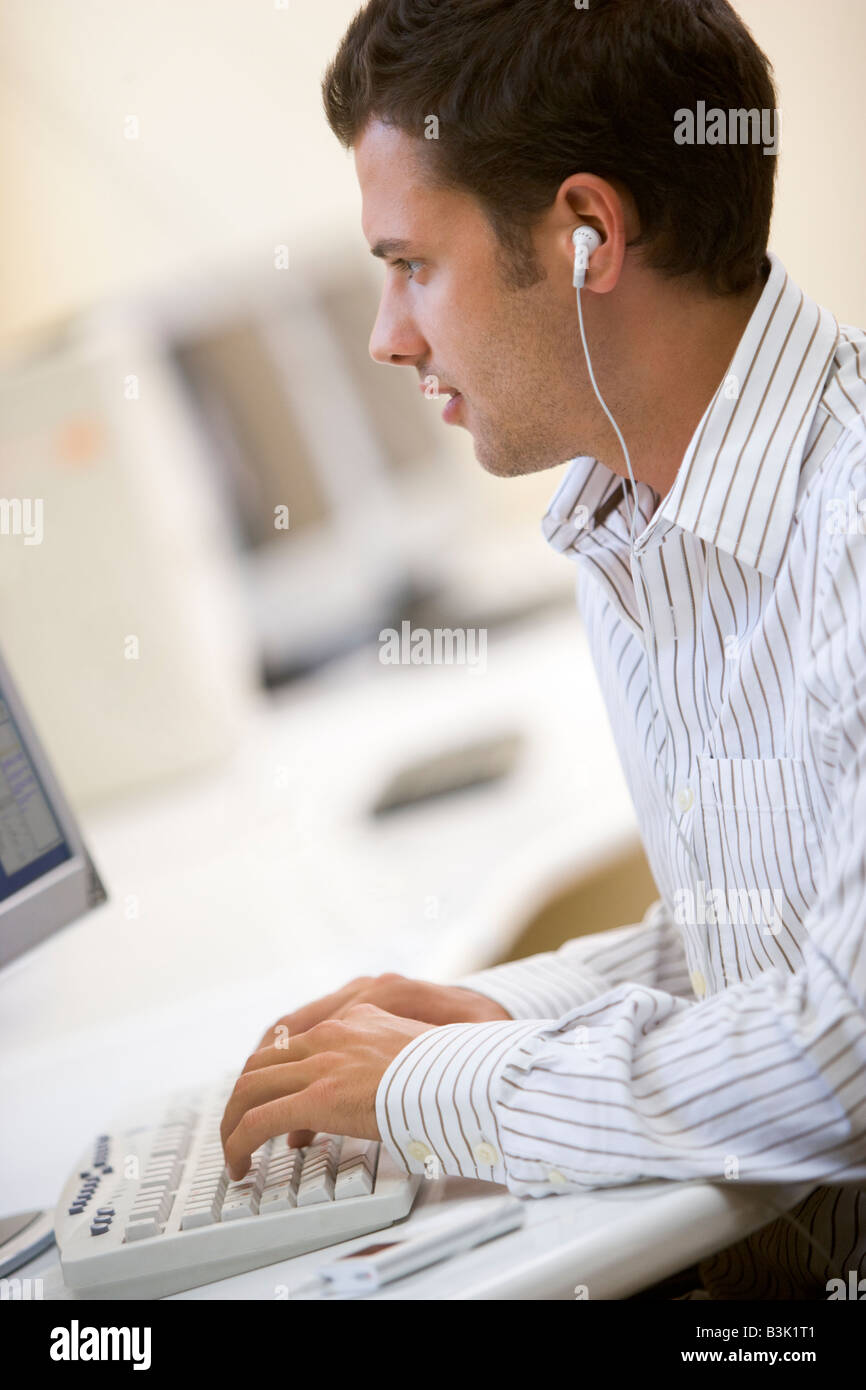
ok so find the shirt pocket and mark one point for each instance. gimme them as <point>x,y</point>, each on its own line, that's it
<point>757,839</point>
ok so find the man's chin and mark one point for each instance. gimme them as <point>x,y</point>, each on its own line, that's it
<point>506,461</point>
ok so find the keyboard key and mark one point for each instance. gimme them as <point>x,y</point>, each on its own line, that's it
<point>283,1175</point>
<point>359,1148</point>
<point>319,1189</point>
<point>143,1209</point>
<point>287,1162</point>
<point>237,1207</point>
<point>319,1171</point>
<point>142,1229</point>
<point>276,1199</point>
<point>202,1215</point>
<point>316,1185</point>
<point>316,1166</point>
<point>242,1197</point>
<point>151,1205</point>
<point>206,1192</point>
<point>356,1181</point>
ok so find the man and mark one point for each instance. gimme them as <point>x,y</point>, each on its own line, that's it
<point>723,1038</point>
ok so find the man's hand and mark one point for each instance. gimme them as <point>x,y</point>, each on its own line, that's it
<point>325,1080</point>
<point>437,1004</point>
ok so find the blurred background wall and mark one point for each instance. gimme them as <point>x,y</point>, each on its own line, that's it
<point>153,159</point>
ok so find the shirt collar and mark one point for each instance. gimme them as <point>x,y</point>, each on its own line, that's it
<point>737,485</point>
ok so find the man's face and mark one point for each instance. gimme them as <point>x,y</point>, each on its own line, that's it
<point>448,311</point>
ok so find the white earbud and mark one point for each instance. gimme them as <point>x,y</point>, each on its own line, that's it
<point>586,241</point>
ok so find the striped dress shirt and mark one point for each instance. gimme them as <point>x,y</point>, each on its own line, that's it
<point>724,1037</point>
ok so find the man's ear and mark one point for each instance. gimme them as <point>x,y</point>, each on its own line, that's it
<point>585,200</point>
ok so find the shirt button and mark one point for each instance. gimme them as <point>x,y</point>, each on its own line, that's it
<point>685,798</point>
<point>556,1177</point>
<point>416,1149</point>
<point>699,984</point>
<point>485,1153</point>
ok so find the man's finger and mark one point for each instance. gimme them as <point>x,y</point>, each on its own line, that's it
<point>266,1122</point>
<point>255,1088</point>
<point>300,1138</point>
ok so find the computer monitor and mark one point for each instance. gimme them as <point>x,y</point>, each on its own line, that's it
<point>330,476</point>
<point>47,877</point>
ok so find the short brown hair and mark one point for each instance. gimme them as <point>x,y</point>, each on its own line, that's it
<point>529,92</point>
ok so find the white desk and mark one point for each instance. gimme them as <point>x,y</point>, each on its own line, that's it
<point>264,885</point>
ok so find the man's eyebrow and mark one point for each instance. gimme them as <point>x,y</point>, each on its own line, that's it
<point>390,247</point>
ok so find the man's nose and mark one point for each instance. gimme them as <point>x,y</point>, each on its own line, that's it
<point>395,339</point>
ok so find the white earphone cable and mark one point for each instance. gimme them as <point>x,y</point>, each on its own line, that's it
<point>634,514</point>
<point>603,404</point>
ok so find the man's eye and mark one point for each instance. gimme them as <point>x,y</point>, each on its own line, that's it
<point>410,267</point>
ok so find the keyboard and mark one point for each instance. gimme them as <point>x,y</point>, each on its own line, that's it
<point>151,1210</point>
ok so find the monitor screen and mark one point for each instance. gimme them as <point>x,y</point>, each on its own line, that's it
<point>47,878</point>
<point>31,841</point>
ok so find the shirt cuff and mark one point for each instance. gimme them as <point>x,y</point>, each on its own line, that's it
<point>434,1104</point>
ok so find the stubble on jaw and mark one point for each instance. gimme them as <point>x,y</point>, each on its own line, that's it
<point>540,375</point>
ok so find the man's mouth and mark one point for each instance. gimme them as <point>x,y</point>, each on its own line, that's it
<point>452,409</point>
